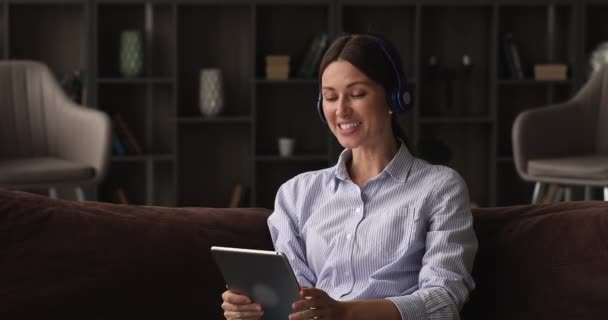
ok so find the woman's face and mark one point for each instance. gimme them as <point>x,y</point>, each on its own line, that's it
<point>355,106</point>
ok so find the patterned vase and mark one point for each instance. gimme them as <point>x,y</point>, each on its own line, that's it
<point>211,92</point>
<point>131,53</point>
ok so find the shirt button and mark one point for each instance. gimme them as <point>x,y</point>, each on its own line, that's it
<point>358,210</point>
<point>348,236</point>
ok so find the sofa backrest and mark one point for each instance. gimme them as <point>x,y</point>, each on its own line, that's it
<point>96,260</point>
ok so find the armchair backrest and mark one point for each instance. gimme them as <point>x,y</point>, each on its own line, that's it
<point>592,100</point>
<point>29,98</point>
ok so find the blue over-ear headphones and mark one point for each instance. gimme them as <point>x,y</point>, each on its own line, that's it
<point>399,97</point>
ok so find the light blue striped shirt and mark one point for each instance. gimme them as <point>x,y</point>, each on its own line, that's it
<point>406,235</point>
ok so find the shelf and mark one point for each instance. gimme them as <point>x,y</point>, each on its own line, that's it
<point>301,158</point>
<point>457,120</point>
<point>146,157</point>
<point>290,81</point>
<point>505,159</point>
<point>214,120</point>
<point>141,80</point>
<point>532,82</point>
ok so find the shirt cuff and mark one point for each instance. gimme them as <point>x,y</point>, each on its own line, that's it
<point>411,307</point>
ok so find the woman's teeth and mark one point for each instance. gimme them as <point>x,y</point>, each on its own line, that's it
<point>349,125</point>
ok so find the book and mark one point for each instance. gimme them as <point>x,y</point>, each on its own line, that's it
<point>235,198</point>
<point>507,53</point>
<point>519,72</point>
<point>313,55</point>
<point>124,132</point>
<point>121,196</point>
<point>118,147</point>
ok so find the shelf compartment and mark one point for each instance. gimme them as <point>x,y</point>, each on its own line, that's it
<point>52,33</point>
<point>204,33</point>
<point>304,21</point>
<point>128,176</point>
<point>271,175</point>
<point>596,31</point>
<point>511,189</point>
<point>161,133</point>
<point>528,26</point>
<point>164,181</point>
<point>469,146</point>
<point>156,23</point>
<point>450,88</point>
<point>212,160</point>
<point>289,111</point>
<point>131,103</point>
<point>396,23</point>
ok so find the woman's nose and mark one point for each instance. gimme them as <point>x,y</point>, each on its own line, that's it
<point>343,107</point>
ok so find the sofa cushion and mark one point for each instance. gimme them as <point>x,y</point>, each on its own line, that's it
<point>541,262</point>
<point>91,260</point>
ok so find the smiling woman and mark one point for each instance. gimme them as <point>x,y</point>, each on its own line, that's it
<point>382,234</point>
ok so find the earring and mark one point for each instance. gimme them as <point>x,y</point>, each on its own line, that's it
<point>390,111</point>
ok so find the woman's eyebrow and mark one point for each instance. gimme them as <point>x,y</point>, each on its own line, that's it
<point>363,82</point>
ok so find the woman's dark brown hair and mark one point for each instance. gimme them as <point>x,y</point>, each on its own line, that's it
<point>365,53</point>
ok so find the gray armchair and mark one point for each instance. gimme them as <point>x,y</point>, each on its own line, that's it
<point>46,140</point>
<point>566,144</point>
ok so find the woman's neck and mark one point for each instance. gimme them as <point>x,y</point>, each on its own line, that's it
<point>368,162</point>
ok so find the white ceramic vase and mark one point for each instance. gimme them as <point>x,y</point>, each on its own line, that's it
<point>211,92</point>
<point>131,53</point>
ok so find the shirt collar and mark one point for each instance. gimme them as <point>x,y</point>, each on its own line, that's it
<point>398,168</point>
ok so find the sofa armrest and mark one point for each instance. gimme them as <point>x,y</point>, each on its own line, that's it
<point>552,131</point>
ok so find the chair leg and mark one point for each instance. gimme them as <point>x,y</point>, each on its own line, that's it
<point>539,188</point>
<point>80,194</point>
<point>588,195</point>
<point>53,193</point>
<point>567,193</point>
<point>605,193</point>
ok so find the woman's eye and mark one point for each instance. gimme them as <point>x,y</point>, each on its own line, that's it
<point>330,98</point>
<point>358,94</point>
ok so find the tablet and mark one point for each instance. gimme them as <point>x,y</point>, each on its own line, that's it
<point>264,276</point>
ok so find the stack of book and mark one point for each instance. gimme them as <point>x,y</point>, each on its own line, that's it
<point>514,64</point>
<point>277,67</point>
<point>123,140</point>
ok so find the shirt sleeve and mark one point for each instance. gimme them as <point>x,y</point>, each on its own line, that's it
<point>445,278</point>
<point>286,236</point>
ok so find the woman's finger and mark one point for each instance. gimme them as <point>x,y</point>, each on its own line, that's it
<point>241,307</point>
<point>243,315</point>
<point>234,298</point>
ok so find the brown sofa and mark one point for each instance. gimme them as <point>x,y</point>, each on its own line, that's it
<point>70,260</point>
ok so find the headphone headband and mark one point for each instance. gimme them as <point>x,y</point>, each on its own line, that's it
<point>399,98</point>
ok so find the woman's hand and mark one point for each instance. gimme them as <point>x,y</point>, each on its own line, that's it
<point>238,306</point>
<point>316,304</point>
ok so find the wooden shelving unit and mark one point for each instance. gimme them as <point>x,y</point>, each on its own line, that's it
<point>192,160</point>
